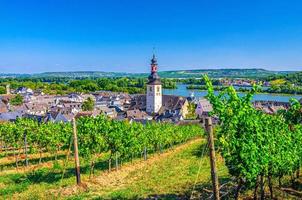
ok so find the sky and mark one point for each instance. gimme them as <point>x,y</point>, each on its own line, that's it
<point>121,35</point>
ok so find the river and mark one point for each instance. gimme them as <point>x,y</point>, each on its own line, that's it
<point>183,91</point>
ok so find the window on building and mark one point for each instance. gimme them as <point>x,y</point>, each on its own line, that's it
<point>158,88</point>
<point>150,89</point>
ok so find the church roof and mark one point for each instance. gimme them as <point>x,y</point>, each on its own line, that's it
<point>169,102</point>
<point>154,79</point>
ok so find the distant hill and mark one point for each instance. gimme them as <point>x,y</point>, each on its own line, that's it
<point>214,73</point>
<point>219,73</point>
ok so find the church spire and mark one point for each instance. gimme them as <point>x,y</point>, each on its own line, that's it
<point>153,64</point>
<point>153,77</point>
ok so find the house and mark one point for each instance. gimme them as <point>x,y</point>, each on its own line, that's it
<point>63,110</point>
<point>36,108</point>
<point>17,108</point>
<point>110,112</point>
<point>138,102</point>
<point>75,105</point>
<point>102,101</point>
<point>271,107</point>
<point>73,97</point>
<point>58,117</point>
<point>24,91</point>
<point>112,99</point>
<point>46,99</point>
<point>174,104</point>
<point>204,107</point>
<point>68,107</point>
<point>170,116</point>
<point>138,115</point>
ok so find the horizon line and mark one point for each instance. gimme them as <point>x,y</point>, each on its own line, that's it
<point>194,69</point>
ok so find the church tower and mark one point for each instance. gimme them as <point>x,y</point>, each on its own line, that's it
<point>154,89</point>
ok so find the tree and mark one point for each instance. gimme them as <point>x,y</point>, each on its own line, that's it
<point>88,104</point>
<point>17,100</point>
<point>191,111</point>
<point>2,90</point>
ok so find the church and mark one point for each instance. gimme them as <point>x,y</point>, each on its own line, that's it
<point>161,107</point>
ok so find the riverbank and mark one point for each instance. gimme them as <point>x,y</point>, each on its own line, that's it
<point>245,89</point>
<point>183,91</point>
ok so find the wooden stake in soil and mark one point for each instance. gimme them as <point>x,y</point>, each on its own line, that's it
<point>25,149</point>
<point>76,152</point>
<point>145,153</point>
<point>209,129</point>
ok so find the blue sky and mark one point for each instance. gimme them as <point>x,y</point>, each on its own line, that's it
<point>119,35</point>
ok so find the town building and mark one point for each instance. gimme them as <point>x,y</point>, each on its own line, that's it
<point>203,108</point>
<point>271,107</point>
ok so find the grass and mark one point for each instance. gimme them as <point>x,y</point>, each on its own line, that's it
<point>169,175</point>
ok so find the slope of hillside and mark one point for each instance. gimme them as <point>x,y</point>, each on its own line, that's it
<point>169,175</point>
<point>181,173</point>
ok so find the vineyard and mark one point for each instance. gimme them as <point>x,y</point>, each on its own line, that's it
<point>120,141</point>
<point>258,154</point>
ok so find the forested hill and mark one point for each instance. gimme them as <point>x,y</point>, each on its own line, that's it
<point>214,73</point>
<point>219,73</point>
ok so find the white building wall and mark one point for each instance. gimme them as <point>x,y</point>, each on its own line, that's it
<point>154,98</point>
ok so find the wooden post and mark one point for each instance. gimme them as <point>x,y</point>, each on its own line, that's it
<point>116,161</point>
<point>145,153</point>
<point>76,152</point>
<point>2,145</point>
<point>209,129</point>
<point>25,149</point>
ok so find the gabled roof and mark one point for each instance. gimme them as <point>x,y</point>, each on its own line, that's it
<point>204,105</point>
<point>136,114</point>
<point>57,116</point>
<point>172,102</point>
